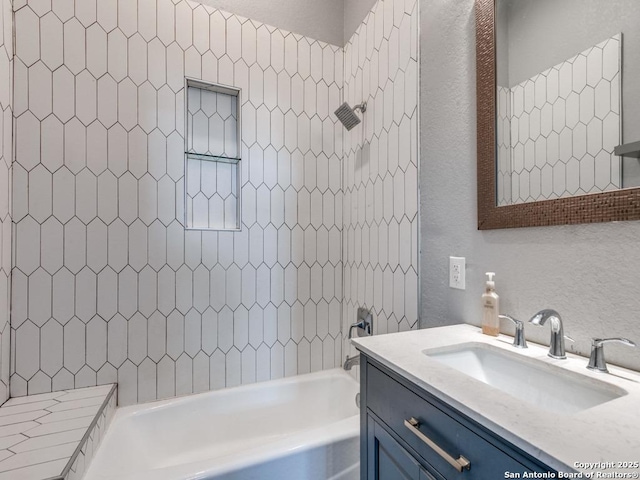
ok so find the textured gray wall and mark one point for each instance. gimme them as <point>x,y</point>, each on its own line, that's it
<point>502,43</point>
<point>590,273</point>
<point>332,21</point>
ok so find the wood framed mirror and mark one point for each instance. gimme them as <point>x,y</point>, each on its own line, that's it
<point>607,206</point>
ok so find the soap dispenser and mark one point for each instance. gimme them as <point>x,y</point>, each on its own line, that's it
<point>490,309</point>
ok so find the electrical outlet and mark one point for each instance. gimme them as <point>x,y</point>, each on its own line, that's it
<point>457,272</point>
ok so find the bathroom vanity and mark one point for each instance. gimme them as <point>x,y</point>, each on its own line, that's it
<point>425,419</point>
<point>397,447</point>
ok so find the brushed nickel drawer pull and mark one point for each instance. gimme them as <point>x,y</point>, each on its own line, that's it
<point>459,463</point>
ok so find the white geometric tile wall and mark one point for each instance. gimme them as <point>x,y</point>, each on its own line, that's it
<point>380,250</point>
<point>107,284</point>
<point>6,158</point>
<point>564,125</point>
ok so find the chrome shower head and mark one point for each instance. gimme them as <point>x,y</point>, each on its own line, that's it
<point>347,115</point>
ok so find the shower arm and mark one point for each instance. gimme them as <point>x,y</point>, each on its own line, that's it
<point>362,107</point>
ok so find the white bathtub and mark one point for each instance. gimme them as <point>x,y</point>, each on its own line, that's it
<point>304,427</point>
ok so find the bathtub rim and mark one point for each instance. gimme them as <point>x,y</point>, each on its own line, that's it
<point>161,404</point>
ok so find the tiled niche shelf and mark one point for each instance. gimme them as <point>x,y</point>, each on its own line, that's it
<point>212,156</point>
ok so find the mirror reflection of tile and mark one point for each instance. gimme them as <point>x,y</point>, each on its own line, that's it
<point>557,130</point>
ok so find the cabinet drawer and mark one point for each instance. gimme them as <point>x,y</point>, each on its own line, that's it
<point>393,404</point>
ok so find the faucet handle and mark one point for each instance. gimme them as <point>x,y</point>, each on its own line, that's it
<point>518,339</point>
<point>359,324</point>
<point>596,360</point>
<point>510,318</point>
<point>597,342</point>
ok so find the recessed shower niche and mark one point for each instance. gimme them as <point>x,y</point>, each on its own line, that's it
<point>212,156</point>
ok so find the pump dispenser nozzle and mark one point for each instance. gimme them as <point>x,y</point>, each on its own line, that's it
<point>490,283</point>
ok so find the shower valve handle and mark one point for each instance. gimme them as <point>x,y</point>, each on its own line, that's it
<point>361,324</point>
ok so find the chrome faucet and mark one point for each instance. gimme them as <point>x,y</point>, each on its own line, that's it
<point>518,339</point>
<point>596,360</point>
<point>351,361</point>
<point>556,343</point>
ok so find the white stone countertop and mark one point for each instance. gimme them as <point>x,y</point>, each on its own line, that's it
<point>609,432</point>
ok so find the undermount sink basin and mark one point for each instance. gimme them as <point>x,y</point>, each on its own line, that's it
<point>545,386</point>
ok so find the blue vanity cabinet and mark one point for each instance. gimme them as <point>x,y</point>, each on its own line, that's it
<point>403,427</point>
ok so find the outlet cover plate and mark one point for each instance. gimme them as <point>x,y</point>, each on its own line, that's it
<point>457,272</point>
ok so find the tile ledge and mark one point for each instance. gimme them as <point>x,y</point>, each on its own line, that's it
<point>87,441</point>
